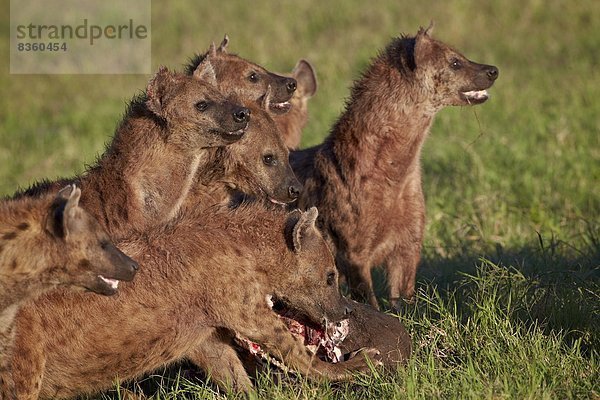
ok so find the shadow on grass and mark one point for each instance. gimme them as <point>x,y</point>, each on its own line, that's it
<point>552,286</point>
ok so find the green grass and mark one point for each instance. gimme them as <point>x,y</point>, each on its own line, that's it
<point>508,292</point>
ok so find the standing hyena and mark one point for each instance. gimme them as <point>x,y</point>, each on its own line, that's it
<point>292,123</point>
<point>47,242</point>
<point>366,177</point>
<point>146,173</point>
<point>204,280</point>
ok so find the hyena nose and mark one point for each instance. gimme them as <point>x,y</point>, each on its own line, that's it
<point>242,114</point>
<point>348,310</point>
<point>492,73</point>
<point>128,261</point>
<point>291,85</point>
<point>294,191</point>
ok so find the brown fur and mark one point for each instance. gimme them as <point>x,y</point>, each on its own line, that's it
<point>257,165</point>
<point>204,280</point>
<point>247,80</point>
<point>292,123</point>
<point>47,242</point>
<point>368,327</point>
<point>366,177</point>
<point>145,174</point>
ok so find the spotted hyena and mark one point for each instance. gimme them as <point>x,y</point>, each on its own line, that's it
<point>48,242</point>
<point>245,79</point>
<point>147,171</point>
<point>205,281</point>
<point>366,176</point>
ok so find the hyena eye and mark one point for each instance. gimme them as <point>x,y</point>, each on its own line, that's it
<point>455,64</point>
<point>253,77</point>
<point>202,105</point>
<point>330,278</point>
<point>270,160</point>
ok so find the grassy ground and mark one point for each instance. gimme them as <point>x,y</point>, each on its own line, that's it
<point>509,289</point>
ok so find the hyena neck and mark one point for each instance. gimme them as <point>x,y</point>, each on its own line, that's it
<point>21,234</point>
<point>385,123</point>
<point>17,292</point>
<point>208,186</point>
<point>142,179</point>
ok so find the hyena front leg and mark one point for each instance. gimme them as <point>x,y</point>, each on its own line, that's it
<point>217,357</point>
<point>401,269</point>
<point>28,358</point>
<point>360,282</point>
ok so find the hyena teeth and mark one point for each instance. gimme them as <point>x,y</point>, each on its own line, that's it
<point>113,283</point>
<point>476,94</point>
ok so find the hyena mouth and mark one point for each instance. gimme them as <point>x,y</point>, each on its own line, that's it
<point>103,285</point>
<point>112,283</point>
<point>475,96</point>
<point>280,108</point>
<point>279,203</point>
<point>273,200</point>
<point>237,133</point>
<point>322,341</point>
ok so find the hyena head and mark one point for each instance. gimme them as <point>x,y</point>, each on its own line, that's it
<point>247,80</point>
<point>446,77</point>
<point>259,163</point>
<point>195,114</point>
<point>92,261</point>
<point>292,123</point>
<point>310,287</point>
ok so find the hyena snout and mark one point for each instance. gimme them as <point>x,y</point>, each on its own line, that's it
<point>241,115</point>
<point>340,310</point>
<point>483,75</point>
<point>491,72</point>
<point>125,266</point>
<point>291,85</point>
<point>288,191</point>
<point>234,123</point>
<point>104,274</point>
<point>477,78</point>
<point>283,88</point>
<point>294,189</point>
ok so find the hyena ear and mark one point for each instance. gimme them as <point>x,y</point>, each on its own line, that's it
<point>306,77</point>
<point>64,211</point>
<point>73,220</point>
<point>223,46</point>
<point>212,50</point>
<point>426,31</point>
<point>423,46</point>
<point>266,99</point>
<point>156,90</point>
<point>206,72</point>
<point>305,229</point>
